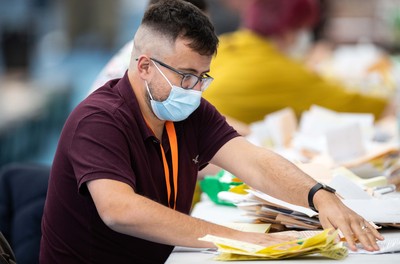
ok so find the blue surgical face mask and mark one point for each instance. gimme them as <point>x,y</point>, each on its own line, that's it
<point>179,104</point>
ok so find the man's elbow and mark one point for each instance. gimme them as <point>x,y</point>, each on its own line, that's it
<point>117,220</point>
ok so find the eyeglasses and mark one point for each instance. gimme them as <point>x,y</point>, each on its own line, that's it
<point>189,81</point>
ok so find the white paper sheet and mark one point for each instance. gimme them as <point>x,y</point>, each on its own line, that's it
<point>348,189</point>
<point>376,210</point>
<point>290,206</point>
<point>389,245</point>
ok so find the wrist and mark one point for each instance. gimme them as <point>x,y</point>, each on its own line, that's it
<point>316,189</point>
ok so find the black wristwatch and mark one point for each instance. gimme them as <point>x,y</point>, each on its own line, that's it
<point>315,189</point>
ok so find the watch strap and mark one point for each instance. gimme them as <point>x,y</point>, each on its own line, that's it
<point>314,190</point>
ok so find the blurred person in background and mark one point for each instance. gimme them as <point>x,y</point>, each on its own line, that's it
<point>111,198</point>
<point>257,70</point>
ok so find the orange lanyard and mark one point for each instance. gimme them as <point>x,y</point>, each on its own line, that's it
<point>173,142</point>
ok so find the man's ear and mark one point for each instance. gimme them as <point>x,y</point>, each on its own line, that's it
<point>143,66</point>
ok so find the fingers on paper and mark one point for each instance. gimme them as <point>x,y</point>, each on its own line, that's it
<point>361,232</point>
<point>367,235</point>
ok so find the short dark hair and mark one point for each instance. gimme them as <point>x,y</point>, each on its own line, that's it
<point>200,4</point>
<point>180,19</point>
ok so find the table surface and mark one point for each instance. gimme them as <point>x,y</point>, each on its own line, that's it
<point>209,211</point>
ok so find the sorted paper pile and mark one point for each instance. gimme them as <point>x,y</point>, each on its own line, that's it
<point>356,193</point>
<point>320,242</point>
<point>280,214</point>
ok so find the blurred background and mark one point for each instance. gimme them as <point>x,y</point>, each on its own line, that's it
<point>52,51</point>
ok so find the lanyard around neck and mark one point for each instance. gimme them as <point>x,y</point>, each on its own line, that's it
<point>173,142</point>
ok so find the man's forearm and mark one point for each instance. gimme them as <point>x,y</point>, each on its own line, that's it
<point>282,179</point>
<point>124,211</point>
<point>152,221</point>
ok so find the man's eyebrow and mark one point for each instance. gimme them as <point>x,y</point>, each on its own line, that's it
<point>193,71</point>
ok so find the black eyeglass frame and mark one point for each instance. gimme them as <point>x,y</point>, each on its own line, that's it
<point>200,79</point>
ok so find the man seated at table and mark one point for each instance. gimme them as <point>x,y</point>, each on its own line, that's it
<point>126,165</point>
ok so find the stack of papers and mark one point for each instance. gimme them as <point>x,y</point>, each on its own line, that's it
<point>317,242</point>
<point>383,210</point>
<point>280,214</point>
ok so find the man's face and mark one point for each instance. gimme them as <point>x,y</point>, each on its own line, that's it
<point>182,59</point>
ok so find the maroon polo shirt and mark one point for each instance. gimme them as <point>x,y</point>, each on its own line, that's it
<point>106,137</point>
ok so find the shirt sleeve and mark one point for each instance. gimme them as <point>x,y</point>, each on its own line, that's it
<point>99,150</point>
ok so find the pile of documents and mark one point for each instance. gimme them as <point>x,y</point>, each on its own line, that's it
<point>280,214</point>
<point>373,198</point>
<point>315,242</point>
<point>383,210</point>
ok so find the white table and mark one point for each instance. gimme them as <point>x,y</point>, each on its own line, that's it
<point>223,214</point>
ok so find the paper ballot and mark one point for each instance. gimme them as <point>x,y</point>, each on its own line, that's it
<point>381,211</point>
<point>320,242</point>
<point>284,204</point>
<point>348,189</point>
<point>343,148</point>
<point>389,245</point>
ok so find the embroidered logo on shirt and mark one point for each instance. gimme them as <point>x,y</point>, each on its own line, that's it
<point>196,159</point>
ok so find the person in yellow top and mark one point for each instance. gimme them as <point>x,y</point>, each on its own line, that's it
<point>254,73</point>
